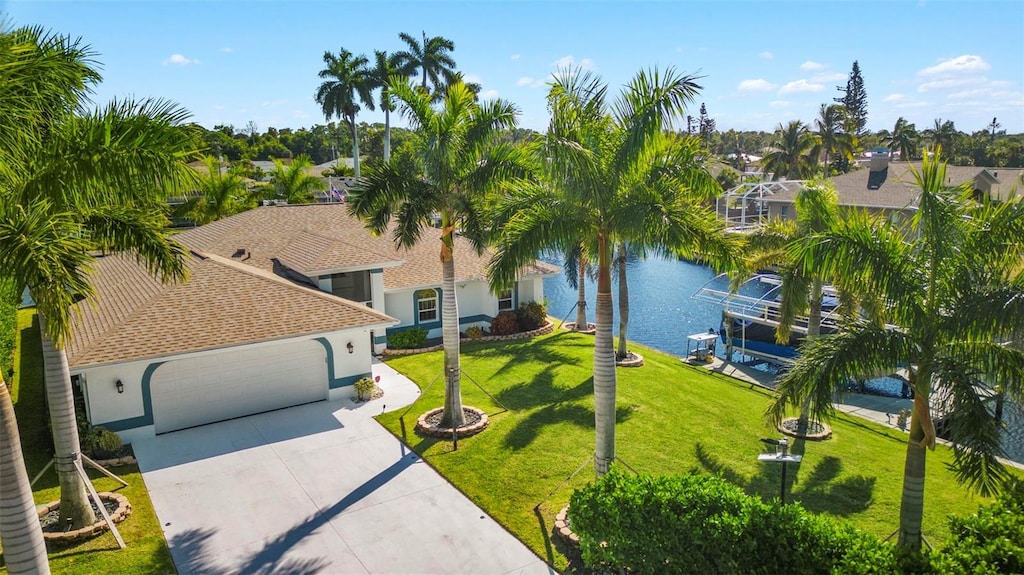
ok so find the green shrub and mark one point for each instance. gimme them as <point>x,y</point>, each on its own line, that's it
<point>505,323</point>
<point>364,388</point>
<point>700,524</point>
<point>407,338</point>
<point>98,440</point>
<point>988,542</point>
<point>474,332</point>
<point>532,315</point>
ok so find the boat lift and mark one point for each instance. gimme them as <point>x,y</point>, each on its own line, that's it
<point>761,310</point>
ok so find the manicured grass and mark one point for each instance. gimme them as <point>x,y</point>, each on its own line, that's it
<point>672,418</point>
<point>146,551</point>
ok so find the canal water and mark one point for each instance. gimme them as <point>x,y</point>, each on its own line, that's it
<point>662,312</point>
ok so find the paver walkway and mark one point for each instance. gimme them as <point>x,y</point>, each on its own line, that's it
<point>318,489</point>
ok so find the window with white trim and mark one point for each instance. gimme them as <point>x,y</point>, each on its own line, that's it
<point>505,300</point>
<point>426,305</point>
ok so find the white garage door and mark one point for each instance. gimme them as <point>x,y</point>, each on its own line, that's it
<point>194,391</point>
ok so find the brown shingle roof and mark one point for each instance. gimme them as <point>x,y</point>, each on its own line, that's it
<point>223,303</point>
<point>898,191</point>
<point>317,237</point>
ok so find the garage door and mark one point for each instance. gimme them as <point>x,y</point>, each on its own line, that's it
<point>194,391</point>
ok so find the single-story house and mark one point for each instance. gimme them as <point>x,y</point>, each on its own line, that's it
<point>284,305</point>
<point>888,188</point>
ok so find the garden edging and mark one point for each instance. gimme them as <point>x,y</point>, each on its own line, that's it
<point>543,330</point>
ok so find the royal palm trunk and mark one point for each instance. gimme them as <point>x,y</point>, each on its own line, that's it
<point>387,135</point>
<point>912,499</point>
<point>67,456</point>
<point>355,146</point>
<point>453,416</point>
<point>604,365</point>
<point>20,531</point>
<point>581,290</point>
<point>813,331</point>
<point>623,303</point>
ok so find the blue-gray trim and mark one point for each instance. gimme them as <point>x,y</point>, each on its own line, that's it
<point>377,271</point>
<point>378,339</point>
<point>434,325</point>
<point>147,404</point>
<point>416,310</point>
<point>332,381</point>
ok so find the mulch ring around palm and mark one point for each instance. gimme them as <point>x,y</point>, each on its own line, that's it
<point>429,423</point>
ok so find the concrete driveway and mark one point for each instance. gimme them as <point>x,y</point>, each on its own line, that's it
<point>319,488</point>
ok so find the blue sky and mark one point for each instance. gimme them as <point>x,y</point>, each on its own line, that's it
<point>763,63</point>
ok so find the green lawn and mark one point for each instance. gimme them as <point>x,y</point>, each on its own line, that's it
<point>147,551</point>
<point>672,418</point>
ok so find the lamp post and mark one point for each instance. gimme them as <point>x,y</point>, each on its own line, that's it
<point>782,456</point>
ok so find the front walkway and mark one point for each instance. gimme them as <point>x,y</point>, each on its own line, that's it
<point>318,488</point>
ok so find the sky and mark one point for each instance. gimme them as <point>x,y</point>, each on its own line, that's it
<point>762,63</point>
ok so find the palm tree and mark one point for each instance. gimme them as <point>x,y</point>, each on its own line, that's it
<point>101,177</point>
<point>221,194</point>
<point>293,183</point>
<point>385,66</point>
<point>790,155</point>
<point>835,142</point>
<point>943,135</point>
<point>596,155</point>
<point>432,57</point>
<point>904,139</point>
<point>954,288</point>
<point>459,166</point>
<point>575,265</point>
<point>347,82</point>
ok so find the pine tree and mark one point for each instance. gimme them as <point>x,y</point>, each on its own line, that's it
<point>855,100</point>
<point>706,125</point>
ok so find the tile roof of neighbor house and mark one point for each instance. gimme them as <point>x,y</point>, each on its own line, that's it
<point>318,237</point>
<point>898,191</point>
<point>133,316</point>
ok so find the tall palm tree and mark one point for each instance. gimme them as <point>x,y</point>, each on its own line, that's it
<point>293,183</point>
<point>835,142</point>
<point>432,57</point>
<point>460,163</point>
<point>105,174</point>
<point>347,82</point>
<point>904,139</point>
<point>596,151</point>
<point>221,194</point>
<point>790,155</point>
<point>384,67</point>
<point>955,292</point>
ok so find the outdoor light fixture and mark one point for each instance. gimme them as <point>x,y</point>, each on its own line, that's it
<point>119,386</point>
<point>351,348</point>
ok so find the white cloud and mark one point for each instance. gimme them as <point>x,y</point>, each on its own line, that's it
<point>894,98</point>
<point>766,55</point>
<point>180,60</point>
<point>471,79</point>
<point>970,93</point>
<point>570,60</point>
<point>809,65</point>
<point>779,104</point>
<point>514,57</point>
<point>488,94</point>
<point>800,86</point>
<point>948,83</point>
<point>756,85</point>
<point>958,65</point>
<point>227,50</point>
<point>529,82</point>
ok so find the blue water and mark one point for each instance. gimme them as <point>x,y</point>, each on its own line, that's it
<point>662,313</point>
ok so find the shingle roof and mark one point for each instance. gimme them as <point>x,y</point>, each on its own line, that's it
<point>223,303</point>
<point>897,190</point>
<point>317,237</point>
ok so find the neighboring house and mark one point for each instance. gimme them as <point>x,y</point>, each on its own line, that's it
<point>888,188</point>
<point>284,305</point>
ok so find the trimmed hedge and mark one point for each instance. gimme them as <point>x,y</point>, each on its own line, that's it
<point>702,525</point>
<point>531,315</point>
<point>407,338</point>
<point>990,542</point>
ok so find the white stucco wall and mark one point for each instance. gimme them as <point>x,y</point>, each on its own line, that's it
<point>104,404</point>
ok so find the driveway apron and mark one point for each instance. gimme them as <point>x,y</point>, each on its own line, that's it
<point>318,489</point>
